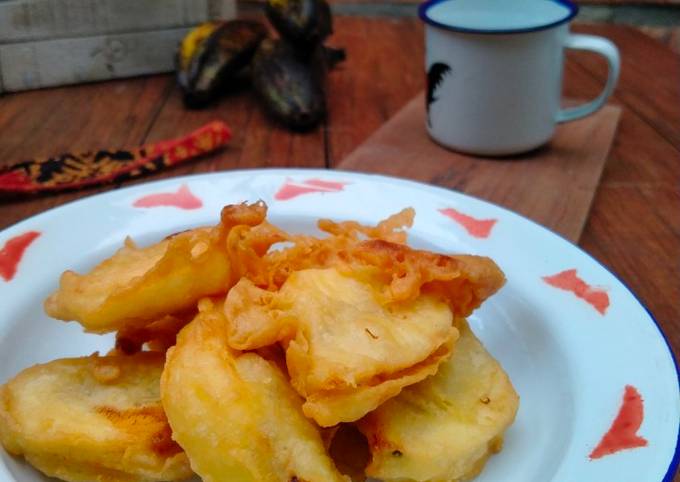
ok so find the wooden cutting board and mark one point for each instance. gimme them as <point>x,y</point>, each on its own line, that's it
<point>554,185</point>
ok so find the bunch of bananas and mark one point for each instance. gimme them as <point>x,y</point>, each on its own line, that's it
<point>288,73</point>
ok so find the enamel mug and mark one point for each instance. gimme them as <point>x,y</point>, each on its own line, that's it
<point>494,72</point>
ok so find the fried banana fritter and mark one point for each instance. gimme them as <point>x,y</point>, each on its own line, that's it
<point>137,286</point>
<point>444,428</point>
<point>235,413</point>
<point>377,318</point>
<point>274,343</point>
<point>92,419</point>
<point>346,352</point>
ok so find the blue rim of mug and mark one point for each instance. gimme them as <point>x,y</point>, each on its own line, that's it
<point>425,6</point>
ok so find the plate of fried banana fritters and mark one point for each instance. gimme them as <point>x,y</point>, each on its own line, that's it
<point>316,326</point>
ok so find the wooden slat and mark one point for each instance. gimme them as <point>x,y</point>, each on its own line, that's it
<point>553,186</point>
<point>634,231</point>
<point>34,64</point>
<point>257,141</point>
<point>641,154</point>
<point>374,82</point>
<point>649,76</point>
<point>49,19</point>
<point>72,119</point>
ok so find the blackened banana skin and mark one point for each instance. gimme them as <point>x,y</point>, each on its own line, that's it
<point>290,85</point>
<point>212,55</point>
<point>333,56</point>
<point>303,23</point>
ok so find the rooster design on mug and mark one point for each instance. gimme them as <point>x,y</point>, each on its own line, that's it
<point>435,75</point>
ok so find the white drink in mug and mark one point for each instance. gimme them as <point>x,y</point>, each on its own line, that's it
<point>494,70</point>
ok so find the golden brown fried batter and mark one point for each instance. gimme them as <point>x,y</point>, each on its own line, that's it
<point>352,326</point>
<point>376,319</point>
<point>444,428</point>
<point>92,418</point>
<point>235,413</point>
<point>139,285</point>
<point>345,351</point>
<point>270,269</point>
<point>390,229</point>
<point>463,281</point>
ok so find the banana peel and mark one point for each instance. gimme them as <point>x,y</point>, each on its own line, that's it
<point>212,55</point>
<point>303,23</point>
<point>289,86</point>
<point>288,74</point>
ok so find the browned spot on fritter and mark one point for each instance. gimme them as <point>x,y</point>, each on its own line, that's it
<point>127,345</point>
<point>370,426</point>
<point>163,444</point>
<point>148,422</point>
<point>130,418</point>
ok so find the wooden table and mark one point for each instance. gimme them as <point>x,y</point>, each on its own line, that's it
<point>634,226</point>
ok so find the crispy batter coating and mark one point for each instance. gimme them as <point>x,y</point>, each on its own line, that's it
<point>377,319</point>
<point>444,428</point>
<point>391,229</point>
<point>346,352</point>
<point>463,281</point>
<point>139,285</point>
<point>354,326</point>
<point>235,413</point>
<point>272,269</point>
<point>92,418</point>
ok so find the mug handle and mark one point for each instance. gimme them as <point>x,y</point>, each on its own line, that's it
<point>609,51</point>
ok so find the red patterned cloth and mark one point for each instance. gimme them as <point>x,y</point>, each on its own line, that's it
<point>73,171</point>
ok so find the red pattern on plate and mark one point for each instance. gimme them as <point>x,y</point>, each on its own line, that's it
<point>182,199</point>
<point>12,253</point>
<point>479,228</point>
<point>623,432</point>
<point>568,280</point>
<point>291,189</point>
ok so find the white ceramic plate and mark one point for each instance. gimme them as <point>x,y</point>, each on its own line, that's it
<point>572,337</point>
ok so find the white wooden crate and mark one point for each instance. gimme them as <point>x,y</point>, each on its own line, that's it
<point>56,42</point>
